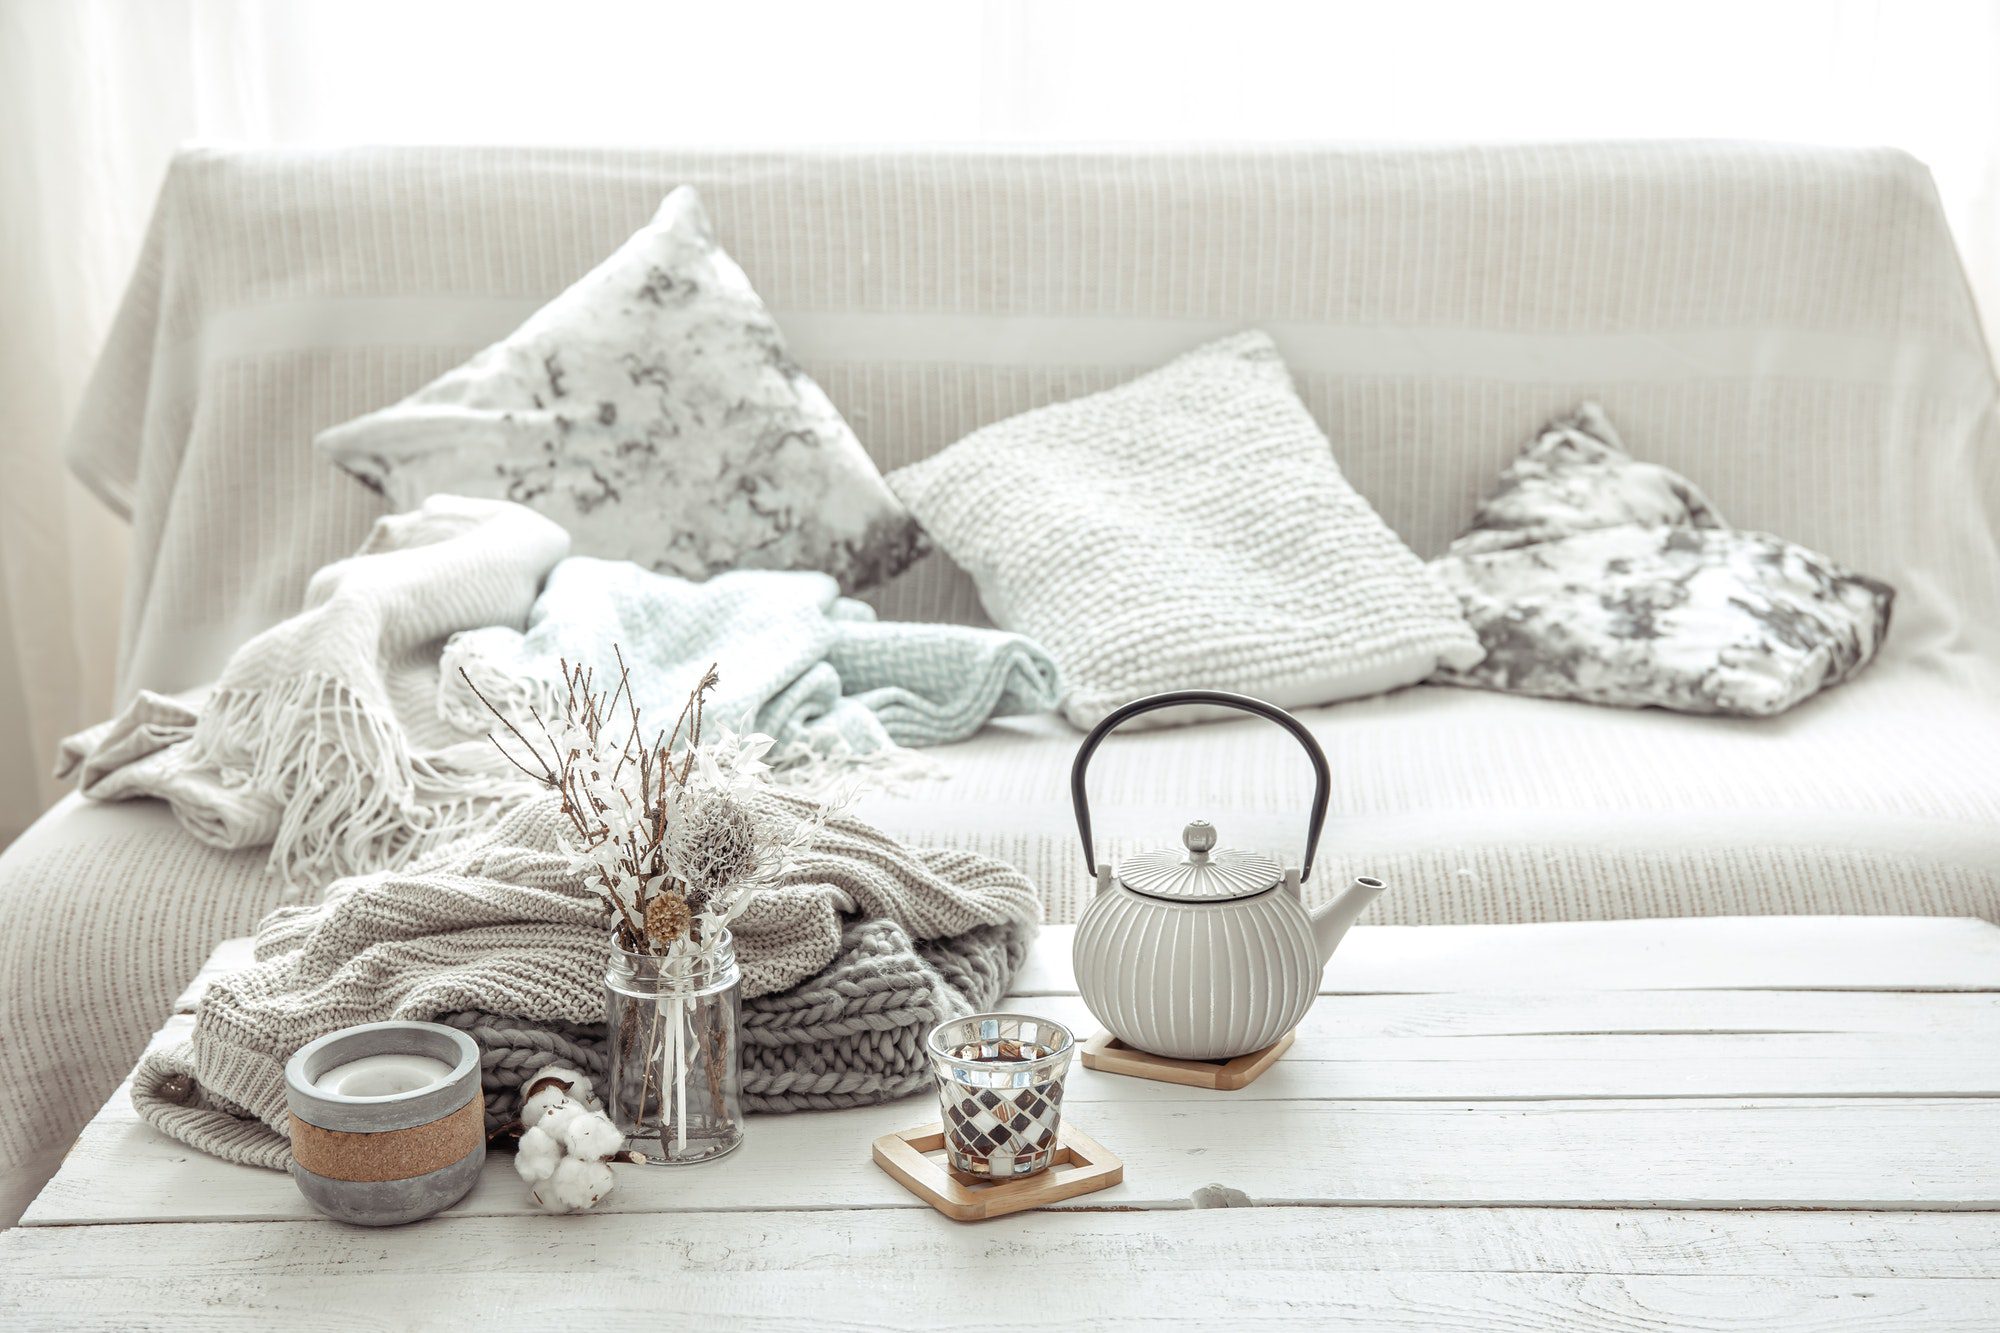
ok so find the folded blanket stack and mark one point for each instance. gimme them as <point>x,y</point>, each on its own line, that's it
<point>353,739</point>
<point>846,965</point>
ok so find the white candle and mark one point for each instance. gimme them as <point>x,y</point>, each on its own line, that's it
<point>386,1075</point>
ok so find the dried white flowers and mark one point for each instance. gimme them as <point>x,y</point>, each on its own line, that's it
<point>567,1142</point>
<point>667,828</point>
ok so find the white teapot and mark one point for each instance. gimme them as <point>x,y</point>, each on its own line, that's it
<point>1205,952</point>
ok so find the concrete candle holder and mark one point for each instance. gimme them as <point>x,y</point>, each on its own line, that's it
<point>388,1121</point>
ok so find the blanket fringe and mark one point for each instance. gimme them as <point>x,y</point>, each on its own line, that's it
<point>351,795</point>
<point>833,772</point>
<point>465,667</point>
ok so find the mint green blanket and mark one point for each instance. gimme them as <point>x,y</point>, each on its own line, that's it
<point>797,661</point>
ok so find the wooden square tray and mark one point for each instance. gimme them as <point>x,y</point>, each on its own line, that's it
<point>1108,1055</point>
<point>1081,1166</point>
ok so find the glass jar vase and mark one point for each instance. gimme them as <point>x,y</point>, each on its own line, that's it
<point>673,1059</point>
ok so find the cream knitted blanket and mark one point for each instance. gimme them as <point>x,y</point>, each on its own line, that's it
<point>846,965</point>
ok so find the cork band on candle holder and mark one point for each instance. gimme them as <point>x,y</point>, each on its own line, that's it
<point>390,1154</point>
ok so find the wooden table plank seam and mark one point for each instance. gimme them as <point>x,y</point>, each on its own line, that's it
<point>1958,1245</point>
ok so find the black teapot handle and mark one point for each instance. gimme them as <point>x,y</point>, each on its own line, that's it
<point>1322,776</point>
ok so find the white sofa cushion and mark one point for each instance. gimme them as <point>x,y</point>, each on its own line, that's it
<point>1590,575</point>
<point>1187,530</point>
<point>653,410</point>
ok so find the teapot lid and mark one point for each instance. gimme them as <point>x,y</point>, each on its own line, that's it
<point>1201,874</point>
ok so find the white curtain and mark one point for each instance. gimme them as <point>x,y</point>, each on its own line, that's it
<point>94,94</point>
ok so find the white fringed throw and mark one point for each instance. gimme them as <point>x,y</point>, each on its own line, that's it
<point>323,736</point>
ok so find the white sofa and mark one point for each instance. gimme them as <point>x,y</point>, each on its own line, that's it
<point>1789,327</point>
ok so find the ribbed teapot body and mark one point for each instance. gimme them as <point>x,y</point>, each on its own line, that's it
<point>1196,981</point>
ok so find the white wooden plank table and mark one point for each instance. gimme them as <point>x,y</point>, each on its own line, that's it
<point>1758,1123</point>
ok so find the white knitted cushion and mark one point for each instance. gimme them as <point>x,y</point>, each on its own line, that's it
<point>652,410</point>
<point>1187,530</point>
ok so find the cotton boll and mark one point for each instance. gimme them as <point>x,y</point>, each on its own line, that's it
<point>575,1186</point>
<point>545,1090</point>
<point>581,1089</point>
<point>584,1183</point>
<point>592,1137</point>
<point>558,1118</point>
<point>533,1108</point>
<point>536,1156</point>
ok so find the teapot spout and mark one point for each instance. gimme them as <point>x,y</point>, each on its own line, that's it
<point>1330,922</point>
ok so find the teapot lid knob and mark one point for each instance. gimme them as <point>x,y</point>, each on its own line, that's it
<point>1199,838</point>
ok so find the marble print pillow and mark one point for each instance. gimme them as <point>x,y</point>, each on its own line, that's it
<point>653,411</point>
<point>1591,575</point>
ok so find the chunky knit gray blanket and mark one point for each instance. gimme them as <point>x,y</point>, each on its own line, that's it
<point>846,965</point>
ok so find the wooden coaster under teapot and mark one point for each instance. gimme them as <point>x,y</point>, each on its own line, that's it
<point>1108,1055</point>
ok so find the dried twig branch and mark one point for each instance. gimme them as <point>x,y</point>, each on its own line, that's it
<point>547,772</point>
<point>621,826</point>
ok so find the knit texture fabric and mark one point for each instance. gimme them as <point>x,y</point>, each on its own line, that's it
<point>1187,530</point>
<point>846,964</point>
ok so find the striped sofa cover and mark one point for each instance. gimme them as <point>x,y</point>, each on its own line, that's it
<point>1790,327</point>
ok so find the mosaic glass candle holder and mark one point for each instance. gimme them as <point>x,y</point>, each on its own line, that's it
<point>1000,1090</point>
